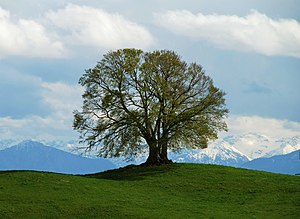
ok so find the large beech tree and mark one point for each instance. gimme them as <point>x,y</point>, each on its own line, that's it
<point>134,98</point>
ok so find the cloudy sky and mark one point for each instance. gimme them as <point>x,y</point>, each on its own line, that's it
<point>251,48</point>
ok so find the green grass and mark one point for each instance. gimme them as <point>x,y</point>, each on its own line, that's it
<point>171,191</point>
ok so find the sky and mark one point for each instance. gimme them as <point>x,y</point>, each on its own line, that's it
<point>251,49</point>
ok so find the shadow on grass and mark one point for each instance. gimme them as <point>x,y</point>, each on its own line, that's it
<point>133,172</point>
<point>21,171</point>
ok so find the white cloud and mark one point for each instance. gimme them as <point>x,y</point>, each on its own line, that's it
<point>35,127</point>
<point>62,98</point>
<point>271,127</point>
<point>24,37</point>
<point>89,26</point>
<point>255,32</point>
<point>72,26</point>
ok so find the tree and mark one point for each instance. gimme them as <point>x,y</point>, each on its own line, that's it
<point>134,98</point>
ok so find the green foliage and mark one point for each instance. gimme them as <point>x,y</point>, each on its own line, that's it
<point>169,191</point>
<point>134,97</point>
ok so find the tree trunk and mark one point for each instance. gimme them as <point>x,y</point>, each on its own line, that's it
<point>156,156</point>
<point>164,154</point>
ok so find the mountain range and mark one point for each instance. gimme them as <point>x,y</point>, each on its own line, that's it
<point>254,145</point>
<point>232,150</point>
<point>238,151</point>
<point>221,154</point>
<point>251,145</point>
<point>31,155</point>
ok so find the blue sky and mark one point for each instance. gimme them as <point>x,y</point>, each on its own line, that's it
<point>250,48</point>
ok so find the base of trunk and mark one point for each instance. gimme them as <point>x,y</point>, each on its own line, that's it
<point>157,155</point>
<point>156,162</point>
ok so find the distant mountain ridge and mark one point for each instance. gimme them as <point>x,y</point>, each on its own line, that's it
<point>30,155</point>
<point>229,150</point>
<point>252,145</point>
<point>285,164</point>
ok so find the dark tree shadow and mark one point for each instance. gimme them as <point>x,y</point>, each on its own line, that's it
<point>10,171</point>
<point>133,172</point>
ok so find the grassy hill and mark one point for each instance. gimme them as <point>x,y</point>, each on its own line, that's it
<point>172,191</point>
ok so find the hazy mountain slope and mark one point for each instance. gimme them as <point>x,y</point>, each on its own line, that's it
<point>30,155</point>
<point>285,164</point>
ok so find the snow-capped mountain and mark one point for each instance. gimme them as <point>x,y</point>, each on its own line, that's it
<point>286,146</point>
<point>221,153</point>
<point>5,143</point>
<point>30,155</point>
<point>285,164</point>
<point>230,150</point>
<point>68,146</point>
<point>255,146</point>
<point>250,144</point>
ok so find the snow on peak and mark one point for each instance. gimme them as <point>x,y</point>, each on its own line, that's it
<point>216,153</point>
<point>254,145</point>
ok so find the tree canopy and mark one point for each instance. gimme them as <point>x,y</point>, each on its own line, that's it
<point>134,98</point>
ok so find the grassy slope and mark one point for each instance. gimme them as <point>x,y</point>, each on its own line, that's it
<point>173,191</point>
